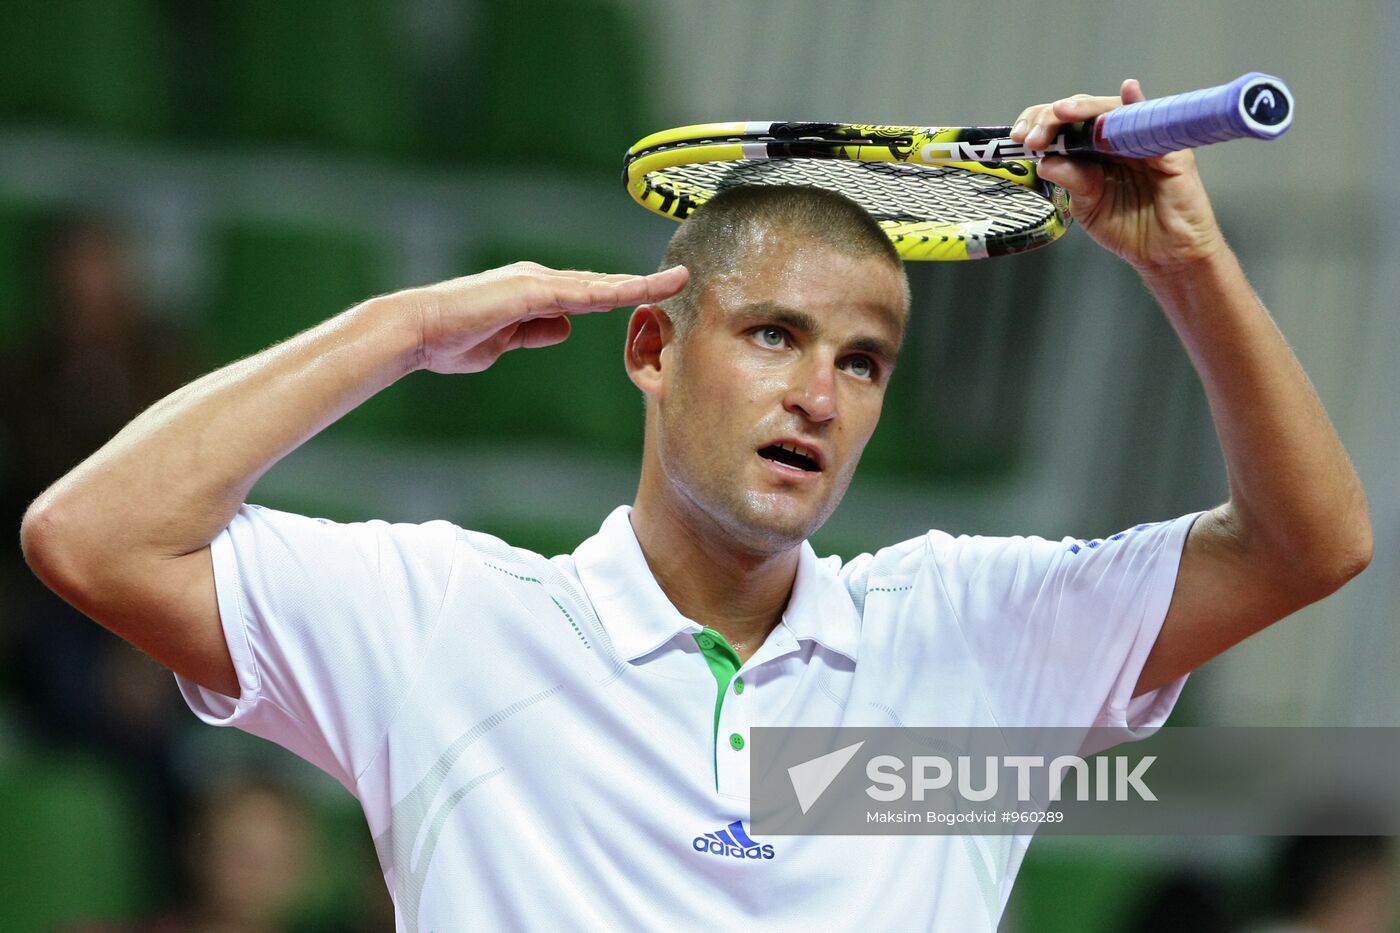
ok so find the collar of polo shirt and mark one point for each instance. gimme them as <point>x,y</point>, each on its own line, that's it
<point>639,618</point>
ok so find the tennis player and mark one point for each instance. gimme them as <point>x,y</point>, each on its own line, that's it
<point>561,743</point>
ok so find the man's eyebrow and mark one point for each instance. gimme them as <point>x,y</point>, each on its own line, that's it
<point>807,323</point>
<point>783,314</point>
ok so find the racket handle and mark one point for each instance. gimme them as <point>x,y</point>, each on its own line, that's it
<point>1255,104</point>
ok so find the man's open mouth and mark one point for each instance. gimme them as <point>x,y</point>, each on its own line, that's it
<point>790,454</point>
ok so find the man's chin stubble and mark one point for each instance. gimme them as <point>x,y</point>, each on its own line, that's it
<point>771,527</point>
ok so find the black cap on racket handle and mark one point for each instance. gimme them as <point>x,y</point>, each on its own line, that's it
<point>1255,104</point>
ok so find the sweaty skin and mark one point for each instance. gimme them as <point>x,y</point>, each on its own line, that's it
<point>719,526</point>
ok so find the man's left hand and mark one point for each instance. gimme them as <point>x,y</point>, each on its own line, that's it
<point>1154,213</point>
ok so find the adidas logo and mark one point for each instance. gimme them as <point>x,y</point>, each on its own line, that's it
<point>732,841</point>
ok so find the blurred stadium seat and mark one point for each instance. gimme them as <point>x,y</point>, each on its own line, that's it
<point>1059,891</point>
<point>327,73</point>
<point>96,65</point>
<point>70,844</point>
<point>20,273</point>
<point>274,280</point>
<point>554,82</point>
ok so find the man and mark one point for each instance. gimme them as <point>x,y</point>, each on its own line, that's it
<point>561,743</point>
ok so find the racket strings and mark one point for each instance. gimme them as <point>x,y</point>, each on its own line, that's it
<point>893,193</point>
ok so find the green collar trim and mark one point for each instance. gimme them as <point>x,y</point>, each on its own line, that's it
<point>724,664</point>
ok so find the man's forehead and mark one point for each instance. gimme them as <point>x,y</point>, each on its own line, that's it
<point>814,277</point>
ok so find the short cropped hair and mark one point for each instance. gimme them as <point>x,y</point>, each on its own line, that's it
<point>712,241</point>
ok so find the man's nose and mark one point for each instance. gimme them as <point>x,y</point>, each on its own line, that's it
<point>813,389</point>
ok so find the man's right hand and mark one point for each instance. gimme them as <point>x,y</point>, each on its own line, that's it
<point>467,323</point>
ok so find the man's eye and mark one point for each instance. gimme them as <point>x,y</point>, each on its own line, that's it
<point>771,336</point>
<point>862,366</point>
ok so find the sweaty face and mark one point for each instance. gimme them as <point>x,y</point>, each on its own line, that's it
<point>771,398</point>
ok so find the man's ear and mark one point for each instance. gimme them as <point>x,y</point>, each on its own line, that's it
<point>649,331</point>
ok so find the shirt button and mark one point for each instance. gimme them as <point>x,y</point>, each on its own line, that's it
<point>705,642</point>
<point>738,685</point>
<point>736,741</point>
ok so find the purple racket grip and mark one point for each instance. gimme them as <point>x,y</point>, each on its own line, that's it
<point>1257,105</point>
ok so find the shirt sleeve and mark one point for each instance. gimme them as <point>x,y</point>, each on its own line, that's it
<point>1062,629</point>
<point>327,624</point>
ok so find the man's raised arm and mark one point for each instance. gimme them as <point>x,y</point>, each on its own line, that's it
<point>1296,526</point>
<point>125,535</point>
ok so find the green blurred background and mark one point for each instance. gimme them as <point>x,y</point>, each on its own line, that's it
<point>185,183</point>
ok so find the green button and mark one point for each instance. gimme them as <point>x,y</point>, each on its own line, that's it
<point>738,685</point>
<point>705,642</point>
<point>736,741</point>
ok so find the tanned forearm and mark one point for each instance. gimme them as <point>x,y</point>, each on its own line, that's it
<point>173,479</point>
<point>1294,493</point>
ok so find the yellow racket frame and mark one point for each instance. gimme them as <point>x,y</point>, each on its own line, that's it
<point>648,162</point>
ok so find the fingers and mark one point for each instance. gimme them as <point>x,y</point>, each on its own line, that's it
<point>543,332</point>
<point>1084,180</point>
<point>549,292</point>
<point>1037,125</point>
<point>574,291</point>
<point>584,274</point>
<point>1083,107</point>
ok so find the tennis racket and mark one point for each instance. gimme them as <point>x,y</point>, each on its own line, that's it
<point>942,192</point>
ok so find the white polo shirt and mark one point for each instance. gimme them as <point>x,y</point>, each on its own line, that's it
<point>543,744</point>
